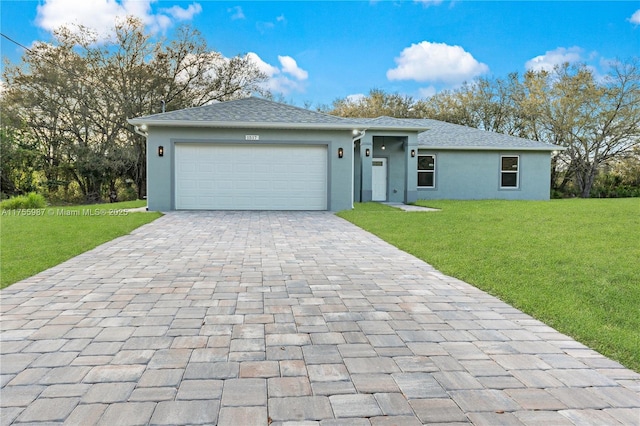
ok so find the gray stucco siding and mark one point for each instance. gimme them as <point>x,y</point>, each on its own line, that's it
<point>233,170</point>
<point>469,175</point>
<point>161,170</point>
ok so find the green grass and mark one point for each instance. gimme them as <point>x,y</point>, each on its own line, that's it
<point>573,264</point>
<point>31,244</point>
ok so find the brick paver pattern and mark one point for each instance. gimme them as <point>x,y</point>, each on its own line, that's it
<point>257,318</point>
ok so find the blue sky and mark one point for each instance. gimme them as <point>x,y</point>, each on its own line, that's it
<point>317,51</point>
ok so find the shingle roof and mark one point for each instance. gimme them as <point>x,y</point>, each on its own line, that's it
<point>445,135</point>
<point>248,110</point>
<point>384,121</point>
<point>261,113</point>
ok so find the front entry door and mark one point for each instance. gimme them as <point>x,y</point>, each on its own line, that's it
<point>379,179</point>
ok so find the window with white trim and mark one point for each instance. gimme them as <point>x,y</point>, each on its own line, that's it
<point>509,171</point>
<point>426,171</point>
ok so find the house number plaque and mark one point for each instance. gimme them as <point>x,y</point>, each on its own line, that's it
<point>251,137</point>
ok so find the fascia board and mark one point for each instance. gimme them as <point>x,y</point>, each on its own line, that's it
<point>243,125</point>
<point>397,129</point>
<point>269,125</point>
<point>491,148</point>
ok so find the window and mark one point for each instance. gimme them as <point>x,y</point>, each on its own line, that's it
<point>509,165</point>
<point>426,171</point>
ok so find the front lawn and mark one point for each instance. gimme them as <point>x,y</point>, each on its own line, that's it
<point>33,240</point>
<point>573,264</point>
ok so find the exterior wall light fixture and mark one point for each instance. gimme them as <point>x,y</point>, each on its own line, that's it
<point>160,151</point>
<point>413,152</point>
<point>340,152</point>
<point>367,152</point>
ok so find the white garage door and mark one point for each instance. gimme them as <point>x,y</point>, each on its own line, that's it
<point>250,177</point>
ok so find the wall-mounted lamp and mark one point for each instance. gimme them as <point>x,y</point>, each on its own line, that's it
<point>160,151</point>
<point>340,152</point>
<point>367,152</point>
<point>383,147</point>
<point>413,152</point>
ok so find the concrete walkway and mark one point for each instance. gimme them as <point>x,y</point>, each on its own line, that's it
<point>242,318</point>
<point>410,207</point>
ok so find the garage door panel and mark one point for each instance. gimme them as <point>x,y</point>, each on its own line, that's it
<point>207,185</point>
<point>263,168</point>
<point>250,177</point>
<point>244,186</point>
<point>264,186</point>
<point>188,184</point>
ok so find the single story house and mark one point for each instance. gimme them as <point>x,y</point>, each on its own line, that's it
<point>255,154</point>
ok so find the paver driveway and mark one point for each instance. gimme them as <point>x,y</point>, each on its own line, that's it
<point>242,318</point>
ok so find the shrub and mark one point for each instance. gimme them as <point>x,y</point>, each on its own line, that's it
<point>29,201</point>
<point>612,185</point>
<point>67,194</point>
<point>127,194</point>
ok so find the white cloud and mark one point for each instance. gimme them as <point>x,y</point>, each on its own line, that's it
<point>237,13</point>
<point>356,97</point>
<point>101,15</point>
<point>184,14</point>
<point>635,18</point>
<point>277,81</point>
<point>269,70</point>
<point>436,62</point>
<point>551,58</point>
<point>290,66</point>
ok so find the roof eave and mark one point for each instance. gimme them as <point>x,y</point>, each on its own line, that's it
<point>243,124</point>
<point>397,129</point>
<point>493,148</point>
<point>269,125</point>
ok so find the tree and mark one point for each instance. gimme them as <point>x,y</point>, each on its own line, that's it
<point>628,168</point>
<point>19,163</point>
<point>486,103</point>
<point>378,103</point>
<point>596,119</point>
<point>33,108</point>
<point>75,95</point>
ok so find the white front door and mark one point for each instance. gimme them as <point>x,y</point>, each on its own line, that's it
<point>379,179</point>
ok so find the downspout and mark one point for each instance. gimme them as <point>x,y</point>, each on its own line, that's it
<point>357,136</point>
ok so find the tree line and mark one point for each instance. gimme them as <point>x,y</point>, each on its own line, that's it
<point>64,108</point>
<point>596,118</point>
